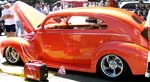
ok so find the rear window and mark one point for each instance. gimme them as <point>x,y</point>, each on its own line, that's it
<point>138,19</point>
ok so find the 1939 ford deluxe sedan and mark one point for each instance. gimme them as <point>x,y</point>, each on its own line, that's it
<point>110,41</point>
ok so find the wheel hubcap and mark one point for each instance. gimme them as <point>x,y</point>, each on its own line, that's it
<point>11,55</point>
<point>112,65</point>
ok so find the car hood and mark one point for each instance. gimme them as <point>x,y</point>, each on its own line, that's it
<point>29,17</point>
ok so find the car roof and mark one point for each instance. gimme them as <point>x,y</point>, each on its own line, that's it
<point>116,13</point>
<point>111,11</point>
<point>88,11</point>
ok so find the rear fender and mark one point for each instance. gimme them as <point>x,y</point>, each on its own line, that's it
<point>134,55</point>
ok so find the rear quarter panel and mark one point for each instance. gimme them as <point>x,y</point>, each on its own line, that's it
<point>134,55</point>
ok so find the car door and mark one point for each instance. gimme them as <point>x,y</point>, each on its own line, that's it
<point>55,43</point>
<point>86,37</point>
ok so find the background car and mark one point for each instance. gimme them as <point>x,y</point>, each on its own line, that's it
<point>109,41</point>
<point>134,6</point>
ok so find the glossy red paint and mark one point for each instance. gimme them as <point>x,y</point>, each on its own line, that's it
<point>80,49</point>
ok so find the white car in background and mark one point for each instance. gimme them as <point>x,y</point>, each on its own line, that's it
<point>133,7</point>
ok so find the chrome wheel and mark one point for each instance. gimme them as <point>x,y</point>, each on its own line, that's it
<point>12,55</point>
<point>112,66</point>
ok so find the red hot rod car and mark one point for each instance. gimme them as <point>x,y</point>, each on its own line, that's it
<point>110,41</point>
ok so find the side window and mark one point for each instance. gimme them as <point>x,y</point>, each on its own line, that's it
<point>56,23</point>
<point>84,22</point>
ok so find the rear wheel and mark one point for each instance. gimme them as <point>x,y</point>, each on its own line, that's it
<point>12,56</point>
<point>112,67</point>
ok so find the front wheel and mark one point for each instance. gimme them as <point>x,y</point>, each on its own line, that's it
<point>12,56</point>
<point>112,67</point>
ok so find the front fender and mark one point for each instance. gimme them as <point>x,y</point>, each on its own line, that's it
<point>134,55</point>
<point>22,46</point>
